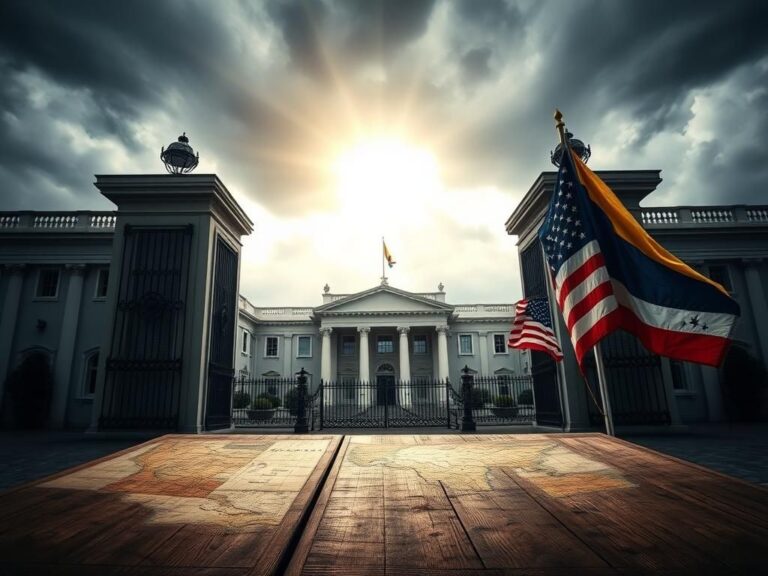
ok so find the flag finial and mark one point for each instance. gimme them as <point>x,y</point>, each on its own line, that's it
<point>560,125</point>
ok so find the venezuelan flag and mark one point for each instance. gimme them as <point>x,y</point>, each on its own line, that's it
<point>610,274</point>
<point>387,255</point>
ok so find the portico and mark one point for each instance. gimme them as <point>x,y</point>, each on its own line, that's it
<point>384,325</point>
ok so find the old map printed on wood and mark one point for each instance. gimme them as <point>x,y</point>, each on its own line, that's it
<point>527,504</point>
<point>399,505</point>
<point>231,502</point>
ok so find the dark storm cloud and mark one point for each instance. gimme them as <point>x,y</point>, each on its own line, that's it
<point>301,24</point>
<point>476,65</point>
<point>648,54</point>
<point>125,53</point>
<point>640,59</point>
<point>491,71</point>
<point>490,14</point>
<point>380,27</point>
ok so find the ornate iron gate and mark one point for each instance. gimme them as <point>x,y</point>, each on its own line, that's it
<point>635,383</point>
<point>143,370</point>
<point>218,411</point>
<point>384,403</point>
<point>545,386</point>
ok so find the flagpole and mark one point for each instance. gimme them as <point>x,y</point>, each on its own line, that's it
<point>383,277</point>
<point>603,385</point>
<point>601,381</point>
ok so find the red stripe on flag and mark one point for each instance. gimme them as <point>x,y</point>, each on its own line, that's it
<point>590,301</point>
<point>578,276</point>
<point>702,348</point>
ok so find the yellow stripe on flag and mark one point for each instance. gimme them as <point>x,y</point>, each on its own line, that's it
<point>627,228</point>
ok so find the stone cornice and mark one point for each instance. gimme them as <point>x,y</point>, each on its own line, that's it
<point>385,313</point>
<point>434,305</point>
<point>196,192</point>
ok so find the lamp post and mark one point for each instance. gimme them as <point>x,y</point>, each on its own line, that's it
<point>301,426</point>
<point>467,422</point>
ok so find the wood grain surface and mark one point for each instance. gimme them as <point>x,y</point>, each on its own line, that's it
<point>421,505</point>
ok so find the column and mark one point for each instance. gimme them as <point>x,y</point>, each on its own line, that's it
<point>62,370</point>
<point>364,373</point>
<point>325,363</point>
<point>287,355</point>
<point>405,359</point>
<point>483,342</point>
<point>757,299</point>
<point>405,367</point>
<point>8,319</point>
<point>442,352</point>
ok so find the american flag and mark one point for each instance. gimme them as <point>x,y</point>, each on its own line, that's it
<point>532,328</point>
<point>609,274</point>
<point>583,286</point>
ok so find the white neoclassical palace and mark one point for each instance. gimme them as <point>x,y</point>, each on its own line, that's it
<point>380,332</point>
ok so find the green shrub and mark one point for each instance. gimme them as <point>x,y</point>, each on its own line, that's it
<point>276,402</point>
<point>292,401</point>
<point>504,402</point>
<point>241,400</point>
<point>262,404</point>
<point>525,397</point>
<point>480,397</point>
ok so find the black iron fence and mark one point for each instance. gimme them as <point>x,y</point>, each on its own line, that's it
<point>385,403</point>
<point>635,384</point>
<point>268,402</point>
<point>497,401</point>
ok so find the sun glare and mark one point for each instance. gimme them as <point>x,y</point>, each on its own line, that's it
<point>385,177</point>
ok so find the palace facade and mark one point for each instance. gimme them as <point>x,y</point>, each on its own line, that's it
<point>383,331</point>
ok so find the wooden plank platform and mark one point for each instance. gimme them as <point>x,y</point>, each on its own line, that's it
<point>210,505</point>
<point>527,504</point>
<point>390,505</point>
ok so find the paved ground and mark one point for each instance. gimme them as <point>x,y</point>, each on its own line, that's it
<point>29,455</point>
<point>740,450</point>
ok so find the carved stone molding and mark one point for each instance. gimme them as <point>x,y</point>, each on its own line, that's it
<point>76,269</point>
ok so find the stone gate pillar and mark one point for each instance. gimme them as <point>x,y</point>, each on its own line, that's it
<point>172,304</point>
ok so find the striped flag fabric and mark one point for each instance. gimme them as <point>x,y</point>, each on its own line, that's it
<point>609,274</point>
<point>532,328</point>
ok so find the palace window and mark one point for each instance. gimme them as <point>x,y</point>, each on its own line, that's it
<point>679,381</point>
<point>91,369</point>
<point>246,343</point>
<point>347,345</point>
<point>270,347</point>
<point>304,347</point>
<point>465,345</point>
<point>102,279</point>
<point>47,283</point>
<point>420,344</point>
<point>385,345</point>
<point>499,343</point>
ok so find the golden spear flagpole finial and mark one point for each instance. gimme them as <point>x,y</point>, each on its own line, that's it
<point>560,125</point>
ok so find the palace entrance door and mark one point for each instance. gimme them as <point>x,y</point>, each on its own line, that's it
<point>385,389</point>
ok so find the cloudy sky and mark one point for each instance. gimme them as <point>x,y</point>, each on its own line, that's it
<point>335,123</point>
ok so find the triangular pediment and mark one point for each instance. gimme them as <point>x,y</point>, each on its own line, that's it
<point>384,299</point>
